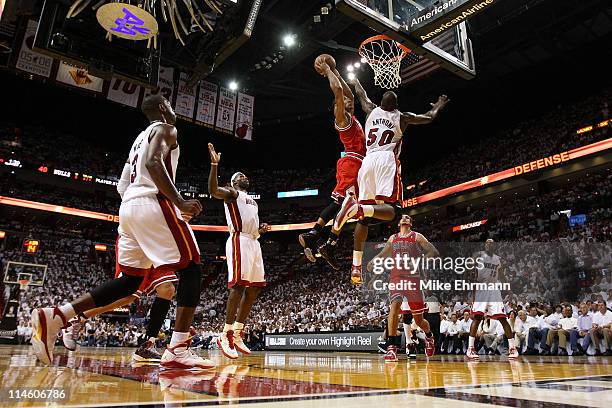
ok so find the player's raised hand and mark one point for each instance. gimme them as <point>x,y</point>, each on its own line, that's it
<point>441,102</point>
<point>214,156</point>
<point>190,207</point>
<point>263,228</point>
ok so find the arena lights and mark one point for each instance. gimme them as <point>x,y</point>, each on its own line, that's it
<point>100,247</point>
<point>350,68</point>
<point>289,40</point>
<point>233,85</point>
<point>2,234</point>
<point>299,193</point>
<point>351,76</point>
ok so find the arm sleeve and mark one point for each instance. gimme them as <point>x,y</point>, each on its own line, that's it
<point>124,181</point>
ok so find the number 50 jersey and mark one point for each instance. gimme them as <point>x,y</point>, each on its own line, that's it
<point>141,183</point>
<point>383,131</point>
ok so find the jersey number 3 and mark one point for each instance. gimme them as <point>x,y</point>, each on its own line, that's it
<point>133,174</point>
<point>385,138</point>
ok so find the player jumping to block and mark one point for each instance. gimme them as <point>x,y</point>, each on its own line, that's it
<point>379,178</point>
<point>243,253</point>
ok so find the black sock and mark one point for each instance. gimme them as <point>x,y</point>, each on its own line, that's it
<point>158,313</point>
<point>318,228</point>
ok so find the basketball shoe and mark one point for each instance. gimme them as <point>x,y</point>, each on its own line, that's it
<point>147,353</point>
<point>356,278</point>
<point>472,354</point>
<point>239,343</point>
<point>47,322</point>
<point>226,344</point>
<point>308,241</point>
<point>328,252</point>
<point>513,353</point>
<point>430,346</point>
<point>182,357</point>
<point>411,351</point>
<point>350,208</point>
<point>70,334</point>
<point>391,356</point>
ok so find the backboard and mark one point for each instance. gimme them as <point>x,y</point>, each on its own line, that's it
<point>434,30</point>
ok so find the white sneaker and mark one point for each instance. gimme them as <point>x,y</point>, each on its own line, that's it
<point>239,343</point>
<point>71,333</point>
<point>226,344</point>
<point>46,325</point>
<point>348,210</point>
<point>472,354</point>
<point>513,353</point>
<point>184,359</point>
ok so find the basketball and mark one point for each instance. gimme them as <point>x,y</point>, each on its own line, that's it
<point>324,58</point>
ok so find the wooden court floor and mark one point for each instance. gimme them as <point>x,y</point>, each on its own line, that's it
<point>107,378</point>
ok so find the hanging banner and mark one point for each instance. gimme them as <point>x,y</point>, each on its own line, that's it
<point>165,84</point>
<point>78,77</point>
<point>124,92</point>
<point>244,117</point>
<point>185,98</point>
<point>226,111</point>
<point>207,102</point>
<point>30,61</point>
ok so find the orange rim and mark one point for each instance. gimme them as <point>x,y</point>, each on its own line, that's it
<point>380,37</point>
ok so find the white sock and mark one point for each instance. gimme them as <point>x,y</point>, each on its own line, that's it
<point>68,311</point>
<point>357,255</point>
<point>511,343</point>
<point>368,210</point>
<point>178,338</point>
<point>227,328</point>
<point>407,333</point>
<point>471,341</point>
<point>238,327</point>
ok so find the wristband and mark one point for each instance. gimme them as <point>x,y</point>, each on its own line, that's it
<point>214,164</point>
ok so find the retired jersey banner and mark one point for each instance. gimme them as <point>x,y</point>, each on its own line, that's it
<point>30,61</point>
<point>165,85</point>
<point>124,92</point>
<point>185,98</point>
<point>244,117</point>
<point>226,111</point>
<point>78,77</point>
<point>207,103</point>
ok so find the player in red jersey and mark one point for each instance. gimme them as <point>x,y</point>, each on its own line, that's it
<point>411,244</point>
<point>347,167</point>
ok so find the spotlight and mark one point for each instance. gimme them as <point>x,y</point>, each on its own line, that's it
<point>349,68</point>
<point>351,76</point>
<point>357,64</point>
<point>363,60</point>
<point>289,40</point>
<point>233,85</point>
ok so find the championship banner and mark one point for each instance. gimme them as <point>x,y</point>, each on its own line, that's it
<point>207,103</point>
<point>165,85</point>
<point>124,92</point>
<point>227,111</point>
<point>78,77</point>
<point>244,117</point>
<point>366,341</point>
<point>30,61</point>
<point>185,98</point>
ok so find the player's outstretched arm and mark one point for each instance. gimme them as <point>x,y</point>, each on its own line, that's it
<point>366,104</point>
<point>226,194</point>
<point>161,142</point>
<point>346,90</point>
<point>409,118</point>
<point>336,86</point>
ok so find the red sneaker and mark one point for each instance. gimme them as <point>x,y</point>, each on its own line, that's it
<point>356,278</point>
<point>472,354</point>
<point>430,346</point>
<point>391,356</point>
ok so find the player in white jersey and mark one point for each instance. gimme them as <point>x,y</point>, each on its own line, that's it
<point>152,233</point>
<point>243,253</point>
<point>489,301</point>
<point>379,179</point>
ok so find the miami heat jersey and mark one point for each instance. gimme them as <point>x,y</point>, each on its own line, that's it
<point>489,272</point>
<point>383,131</point>
<point>406,246</point>
<point>242,215</point>
<point>353,139</point>
<point>141,183</point>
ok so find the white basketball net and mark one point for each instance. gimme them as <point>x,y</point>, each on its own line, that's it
<point>384,55</point>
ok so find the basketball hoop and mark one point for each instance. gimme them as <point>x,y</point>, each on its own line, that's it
<point>384,55</point>
<point>23,284</point>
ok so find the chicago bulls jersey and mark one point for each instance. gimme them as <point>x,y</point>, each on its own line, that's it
<point>141,182</point>
<point>353,139</point>
<point>383,131</point>
<point>242,215</point>
<point>406,246</point>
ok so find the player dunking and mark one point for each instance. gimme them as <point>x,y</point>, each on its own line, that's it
<point>379,179</point>
<point>243,253</point>
<point>411,244</point>
<point>152,233</point>
<point>347,167</point>
<point>489,301</point>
